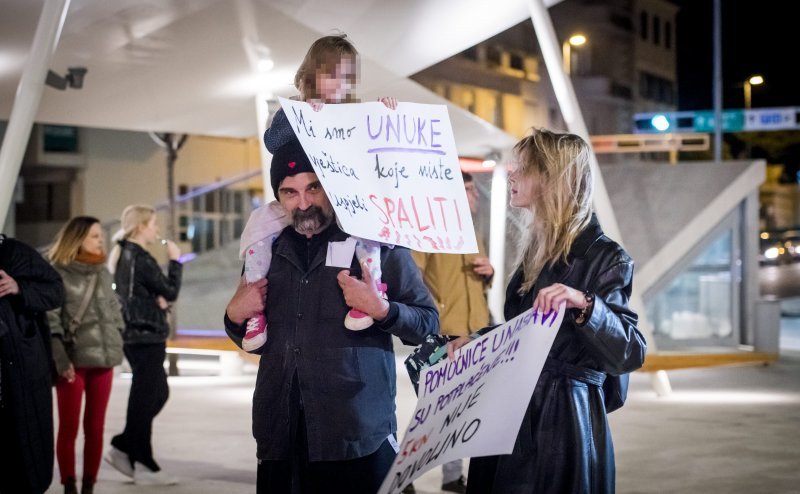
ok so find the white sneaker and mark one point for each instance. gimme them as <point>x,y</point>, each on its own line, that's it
<point>144,476</point>
<point>119,461</point>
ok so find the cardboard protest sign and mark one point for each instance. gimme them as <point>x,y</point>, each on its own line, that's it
<point>474,405</point>
<point>392,175</point>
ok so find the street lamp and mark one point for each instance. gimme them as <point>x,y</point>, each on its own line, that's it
<point>748,89</point>
<point>566,50</point>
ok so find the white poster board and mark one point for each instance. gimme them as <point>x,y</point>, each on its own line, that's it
<point>392,175</point>
<point>474,405</point>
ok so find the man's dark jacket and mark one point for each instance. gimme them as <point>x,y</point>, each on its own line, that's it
<point>26,404</point>
<point>139,281</point>
<point>564,442</point>
<point>346,378</point>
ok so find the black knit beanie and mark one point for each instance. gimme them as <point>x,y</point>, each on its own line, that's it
<point>288,160</point>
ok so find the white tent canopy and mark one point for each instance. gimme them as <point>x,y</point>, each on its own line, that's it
<point>182,66</point>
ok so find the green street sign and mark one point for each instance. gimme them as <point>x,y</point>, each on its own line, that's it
<point>732,121</point>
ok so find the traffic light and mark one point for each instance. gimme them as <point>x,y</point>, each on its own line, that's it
<point>663,122</point>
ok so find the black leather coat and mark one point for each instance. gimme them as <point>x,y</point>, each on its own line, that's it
<point>564,443</point>
<point>139,281</point>
<point>26,403</point>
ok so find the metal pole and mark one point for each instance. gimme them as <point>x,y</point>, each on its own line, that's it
<point>497,239</point>
<point>717,87</point>
<point>262,116</point>
<point>29,94</point>
<point>250,40</point>
<point>747,95</point>
<point>568,102</point>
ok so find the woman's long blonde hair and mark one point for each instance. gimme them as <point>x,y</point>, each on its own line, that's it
<point>562,204</point>
<point>323,56</point>
<point>69,239</point>
<point>133,217</point>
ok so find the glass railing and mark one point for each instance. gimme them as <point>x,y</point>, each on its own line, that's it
<point>208,216</point>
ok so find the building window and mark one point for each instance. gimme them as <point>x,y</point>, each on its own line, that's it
<point>494,56</point>
<point>643,23</point>
<point>621,91</point>
<point>517,62</point>
<point>45,200</point>
<point>697,306</point>
<point>656,30</point>
<point>623,22</point>
<point>644,90</point>
<point>668,35</point>
<point>60,139</point>
<point>666,92</point>
<point>471,53</point>
<point>656,88</point>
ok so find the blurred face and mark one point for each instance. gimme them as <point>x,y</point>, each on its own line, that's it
<point>93,242</point>
<point>472,196</point>
<point>523,187</point>
<point>304,199</point>
<point>149,232</point>
<point>335,85</point>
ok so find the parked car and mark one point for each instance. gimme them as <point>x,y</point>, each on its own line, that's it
<point>779,247</point>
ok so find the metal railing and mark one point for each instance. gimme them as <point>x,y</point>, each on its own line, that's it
<point>208,216</point>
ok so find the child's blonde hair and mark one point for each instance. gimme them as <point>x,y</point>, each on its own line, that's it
<point>69,239</point>
<point>322,58</point>
<point>133,217</point>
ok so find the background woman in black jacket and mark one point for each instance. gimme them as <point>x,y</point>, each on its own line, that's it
<point>28,288</point>
<point>143,291</point>
<point>564,442</point>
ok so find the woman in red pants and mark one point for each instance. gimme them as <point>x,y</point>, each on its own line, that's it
<point>87,344</point>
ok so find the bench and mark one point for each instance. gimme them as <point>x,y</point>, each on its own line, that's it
<point>657,364</point>
<point>231,357</point>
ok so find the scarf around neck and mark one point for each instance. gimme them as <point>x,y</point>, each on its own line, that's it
<point>89,258</point>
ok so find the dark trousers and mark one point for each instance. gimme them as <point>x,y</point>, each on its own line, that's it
<point>299,476</point>
<point>149,393</point>
<point>12,470</point>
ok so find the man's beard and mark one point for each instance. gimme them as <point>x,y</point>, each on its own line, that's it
<point>311,221</point>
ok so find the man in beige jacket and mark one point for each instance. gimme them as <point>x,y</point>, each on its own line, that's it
<point>458,283</point>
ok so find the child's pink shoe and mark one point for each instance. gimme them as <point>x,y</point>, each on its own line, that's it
<point>256,334</point>
<point>357,320</point>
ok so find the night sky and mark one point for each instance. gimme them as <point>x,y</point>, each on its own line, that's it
<point>757,38</point>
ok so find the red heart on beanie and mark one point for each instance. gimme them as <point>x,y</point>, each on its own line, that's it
<point>292,164</point>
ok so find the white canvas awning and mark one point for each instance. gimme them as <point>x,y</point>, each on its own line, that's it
<point>181,65</point>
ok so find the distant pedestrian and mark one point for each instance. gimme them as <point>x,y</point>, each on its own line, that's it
<point>458,283</point>
<point>28,288</point>
<point>144,292</point>
<point>87,344</point>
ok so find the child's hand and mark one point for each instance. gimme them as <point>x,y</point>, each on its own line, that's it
<point>389,101</point>
<point>316,105</point>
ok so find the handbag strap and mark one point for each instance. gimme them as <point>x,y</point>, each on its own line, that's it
<point>87,297</point>
<point>130,279</point>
